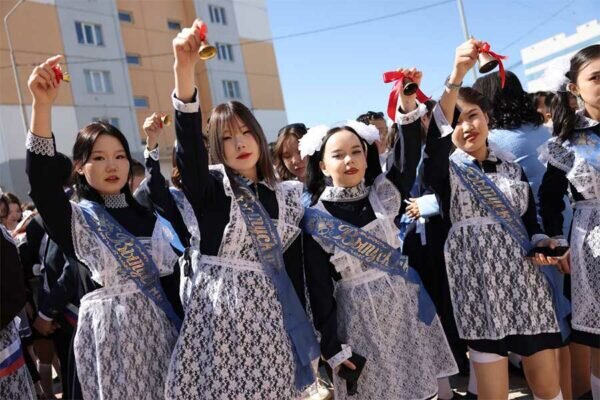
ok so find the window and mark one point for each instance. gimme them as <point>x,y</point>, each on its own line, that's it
<point>125,16</point>
<point>98,81</point>
<point>231,89</point>
<point>140,102</point>
<point>110,120</point>
<point>174,25</point>
<point>224,51</point>
<point>89,34</point>
<point>133,59</point>
<point>217,15</point>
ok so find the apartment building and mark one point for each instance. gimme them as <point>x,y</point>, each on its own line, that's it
<point>554,52</point>
<point>118,53</point>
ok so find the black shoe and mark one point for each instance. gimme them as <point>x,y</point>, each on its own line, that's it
<point>470,396</point>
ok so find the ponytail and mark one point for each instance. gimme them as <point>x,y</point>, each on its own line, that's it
<point>563,116</point>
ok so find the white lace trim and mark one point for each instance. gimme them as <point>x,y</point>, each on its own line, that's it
<point>412,116</point>
<point>115,200</point>
<point>340,357</point>
<point>153,154</point>
<point>187,108</point>
<point>442,123</point>
<point>342,194</point>
<point>584,122</point>
<point>39,145</point>
<point>537,238</point>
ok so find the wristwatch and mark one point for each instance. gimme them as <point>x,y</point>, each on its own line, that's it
<point>452,86</point>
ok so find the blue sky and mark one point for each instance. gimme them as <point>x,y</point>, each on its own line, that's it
<point>335,75</point>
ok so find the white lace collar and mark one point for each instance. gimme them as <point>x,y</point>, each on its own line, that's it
<point>342,194</point>
<point>494,155</point>
<point>115,200</point>
<point>583,121</point>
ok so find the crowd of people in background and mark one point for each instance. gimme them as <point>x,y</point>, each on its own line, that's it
<point>366,260</point>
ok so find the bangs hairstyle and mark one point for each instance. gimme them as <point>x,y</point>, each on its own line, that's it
<point>315,180</point>
<point>285,133</point>
<point>222,118</point>
<point>563,116</point>
<point>82,150</point>
<point>511,106</point>
<point>472,96</point>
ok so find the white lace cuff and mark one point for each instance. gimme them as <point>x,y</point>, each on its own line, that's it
<point>192,107</point>
<point>562,241</point>
<point>428,205</point>
<point>153,154</point>
<point>44,317</point>
<point>412,116</point>
<point>442,123</point>
<point>39,145</point>
<point>535,239</point>
<point>340,357</point>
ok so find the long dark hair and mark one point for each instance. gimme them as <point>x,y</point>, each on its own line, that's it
<point>223,117</point>
<point>296,130</point>
<point>511,105</point>
<point>563,116</point>
<point>315,180</point>
<point>82,149</point>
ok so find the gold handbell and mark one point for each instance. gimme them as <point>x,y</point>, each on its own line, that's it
<point>166,120</point>
<point>66,76</point>
<point>410,87</point>
<point>207,51</point>
<point>486,63</point>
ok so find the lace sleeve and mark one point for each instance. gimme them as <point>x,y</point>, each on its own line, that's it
<point>40,145</point>
<point>555,154</point>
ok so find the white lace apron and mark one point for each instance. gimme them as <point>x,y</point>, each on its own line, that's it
<point>495,290</point>
<point>233,343</point>
<point>585,234</point>
<point>378,317</point>
<point>124,340</point>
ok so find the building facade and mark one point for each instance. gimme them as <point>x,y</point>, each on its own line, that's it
<point>119,55</point>
<point>555,52</point>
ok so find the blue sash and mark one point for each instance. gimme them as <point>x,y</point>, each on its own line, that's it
<point>586,145</point>
<point>491,198</point>
<point>131,256</point>
<point>268,245</point>
<point>369,249</point>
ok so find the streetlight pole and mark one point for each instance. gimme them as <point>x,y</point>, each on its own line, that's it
<point>13,62</point>
<point>463,21</point>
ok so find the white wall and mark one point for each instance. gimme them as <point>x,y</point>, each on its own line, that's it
<point>12,143</point>
<point>271,121</point>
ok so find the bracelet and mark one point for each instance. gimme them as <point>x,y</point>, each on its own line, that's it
<point>452,86</point>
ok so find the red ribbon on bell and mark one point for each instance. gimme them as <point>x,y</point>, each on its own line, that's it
<point>403,84</point>
<point>60,74</point>
<point>488,60</point>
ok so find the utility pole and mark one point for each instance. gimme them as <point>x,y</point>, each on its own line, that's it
<point>463,21</point>
<point>13,62</point>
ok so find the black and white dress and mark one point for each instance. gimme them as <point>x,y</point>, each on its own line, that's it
<point>15,381</point>
<point>124,340</point>
<point>233,344</point>
<point>358,308</point>
<point>174,203</point>
<point>566,168</point>
<point>501,301</point>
